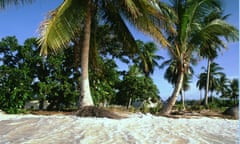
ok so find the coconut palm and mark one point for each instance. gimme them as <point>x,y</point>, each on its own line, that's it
<point>60,27</point>
<point>171,76</point>
<point>234,90</point>
<point>189,15</point>
<point>185,87</point>
<point>201,84</point>
<point>5,3</point>
<point>223,86</point>
<point>191,31</point>
<point>215,75</point>
<point>63,24</point>
<point>148,51</point>
<point>229,88</point>
<point>210,47</point>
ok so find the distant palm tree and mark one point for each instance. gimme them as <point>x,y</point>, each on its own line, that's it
<point>215,75</point>
<point>209,47</point>
<point>186,86</point>
<point>5,3</point>
<point>171,76</point>
<point>229,88</point>
<point>150,58</point>
<point>201,83</point>
<point>223,86</point>
<point>234,90</point>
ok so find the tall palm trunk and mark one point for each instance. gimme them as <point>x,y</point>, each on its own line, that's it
<point>77,60</point>
<point>76,54</point>
<point>207,83</point>
<point>86,98</point>
<point>183,99</point>
<point>172,100</point>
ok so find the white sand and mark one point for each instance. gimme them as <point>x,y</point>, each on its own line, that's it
<point>137,129</point>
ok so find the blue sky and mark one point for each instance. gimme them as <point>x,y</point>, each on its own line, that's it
<point>23,22</point>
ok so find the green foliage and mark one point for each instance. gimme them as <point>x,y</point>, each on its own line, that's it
<point>24,76</point>
<point>220,104</point>
<point>57,84</point>
<point>232,90</point>
<point>103,83</point>
<point>215,104</point>
<point>148,59</point>
<point>15,76</point>
<point>135,87</point>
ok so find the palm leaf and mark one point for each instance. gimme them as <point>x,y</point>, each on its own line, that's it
<point>220,28</point>
<point>131,8</point>
<point>5,3</point>
<point>112,17</point>
<point>61,25</point>
<point>150,22</point>
<point>194,10</point>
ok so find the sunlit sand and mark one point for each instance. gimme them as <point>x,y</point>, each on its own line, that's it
<point>136,129</point>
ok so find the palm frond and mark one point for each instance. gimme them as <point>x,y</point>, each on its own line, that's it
<point>112,17</point>
<point>131,8</point>
<point>61,25</point>
<point>150,22</point>
<point>194,12</point>
<point>6,3</point>
<point>221,28</point>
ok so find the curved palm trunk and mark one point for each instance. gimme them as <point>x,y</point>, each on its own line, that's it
<point>86,98</point>
<point>172,100</point>
<point>207,83</point>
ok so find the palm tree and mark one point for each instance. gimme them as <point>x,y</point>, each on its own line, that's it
<point>223,86</point>
<point>150,61</point>
<point>189,36</point>
<point>210,47</point>
<point>201,83</point>
<point>234,90</point>
<point>186,86</point>
<point>63,24</point>
<point>214,75</point>
<point>60,27</point>
<point>229,88</point>
<point>171,76</point>
<point>5,3</point>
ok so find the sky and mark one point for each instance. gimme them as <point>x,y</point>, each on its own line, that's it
<point>23,22</point>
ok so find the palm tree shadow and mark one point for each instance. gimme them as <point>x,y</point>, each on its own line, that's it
<point>93,111</point>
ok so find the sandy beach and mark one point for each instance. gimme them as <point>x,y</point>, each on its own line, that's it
<point>136,129</point>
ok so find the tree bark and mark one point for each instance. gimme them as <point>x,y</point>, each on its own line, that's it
<point>86,98</point>
<point>183,99</point>
<point>172,100</point>
<point>207,83</point>
<point>77,64</point>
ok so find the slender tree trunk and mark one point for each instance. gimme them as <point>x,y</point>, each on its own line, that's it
<point>183,99</point>
<point>212,96</point>
<point>207,83</point>
<point>172,100</point>
<point>86,98</point>
<point>200,96</point>
<point>76,54</point>
<point>129,103</point>
<point>77,60</point>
